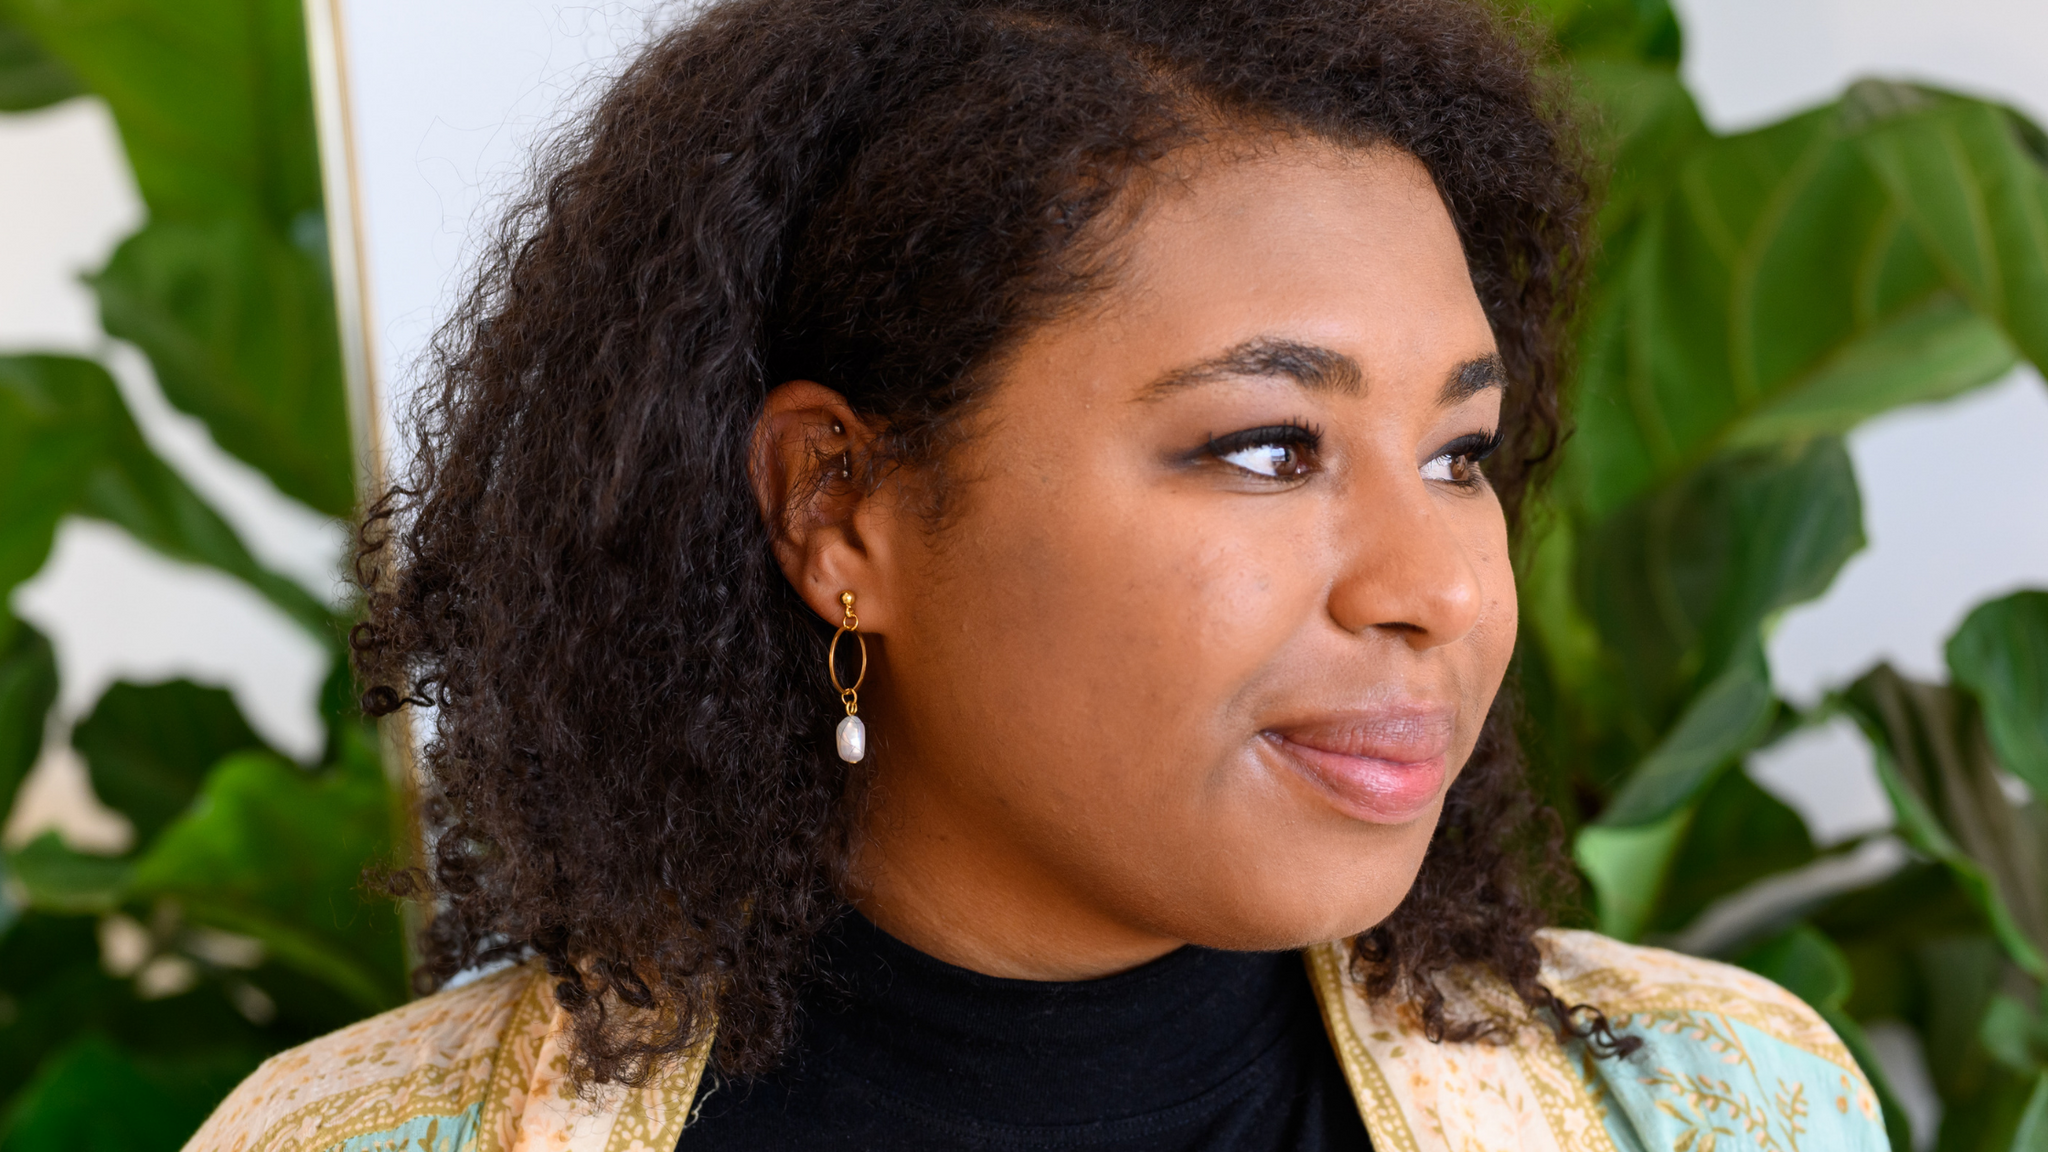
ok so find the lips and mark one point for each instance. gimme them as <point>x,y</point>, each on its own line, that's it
<point>1383,766</point>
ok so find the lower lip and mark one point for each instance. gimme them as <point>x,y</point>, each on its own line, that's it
<point>1363,788</point>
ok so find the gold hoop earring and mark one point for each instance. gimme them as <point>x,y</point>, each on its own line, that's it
<point>852,734</point>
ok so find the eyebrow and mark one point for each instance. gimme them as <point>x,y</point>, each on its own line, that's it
<point>1315,368</point>
<point>1312,366</point>
<point>1473,377</point>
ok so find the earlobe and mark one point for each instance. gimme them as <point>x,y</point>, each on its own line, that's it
<point>801,465</point>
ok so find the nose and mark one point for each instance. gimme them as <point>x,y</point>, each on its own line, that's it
<point>1405,570</point>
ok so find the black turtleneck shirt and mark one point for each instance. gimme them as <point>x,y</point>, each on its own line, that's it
<point>1198,1050</point>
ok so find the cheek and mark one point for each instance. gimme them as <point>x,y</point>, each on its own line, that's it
<point>1118,603</point>
<point>1085,628</point>
<point>1496,573</point>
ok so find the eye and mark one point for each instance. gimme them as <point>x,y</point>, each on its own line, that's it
<point>1268,459</point>
<point>1279,452</point>
<point>1458,462</point>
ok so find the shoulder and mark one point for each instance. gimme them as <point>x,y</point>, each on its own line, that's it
<point>1634,983</point>
<point>446,1063</point>
<point>1721,1046</point>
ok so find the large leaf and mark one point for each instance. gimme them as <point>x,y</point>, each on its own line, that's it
<point>67,444</point>
<point>1644,125</point>
<point>30,77</point>
<point>1663,873</point>
<point>2001,654</point>
<point>1937,766</point>
<point>56,413</point>
<point>1728,718</point>
<point>2032,1135</point>
<point>1779,267</point>
<point>1628,867</point>
<point>149,747</point>
<point>28,686</point>
<point>55,878</point>
<point>1679,584</point>
<point>1628,30</point>
<point>1969,178</point>
<point>239,324</point>
<point>226,289</point>
<point>1738,835</point>
<point>1931,351</point>
<point>213,98</point>
<point>274,852</point>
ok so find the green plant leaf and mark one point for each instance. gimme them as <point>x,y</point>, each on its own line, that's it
<point>1728,718</point>
<point>1743,295</point>
<point>2032,1135</point>
<point>67,1106</point>
<point>58,879</point>
<point>1645,30</point>
<point>30,78</point>
<point>272,851</point>
<point>239,324</point>
<point>67,444</point>
<point>1806,964</point>
<point>2011,1033</point>
<point>227,288</point>
<point>28,686</point>
<point>1627,867</point>
<point>2001,655</point>
<point>213,98</point>
<point>1645,124</point>
<point>1932,351</point>
<point>1679,586</point>
<point>1738,835</point>
<point>149,747</point>
<point>1936,764</point>
<point>55,418</point>
<point>1977,197</point>
<point>50,975</point>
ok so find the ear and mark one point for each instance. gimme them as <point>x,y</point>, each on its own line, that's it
<point>806,449</point>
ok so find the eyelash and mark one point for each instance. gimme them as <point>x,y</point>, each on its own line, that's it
<point>1304,439</point>
<point>1473,450</point>
<point>1307,440</point>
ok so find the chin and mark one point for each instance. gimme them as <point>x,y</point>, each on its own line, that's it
<point>1295,911</point>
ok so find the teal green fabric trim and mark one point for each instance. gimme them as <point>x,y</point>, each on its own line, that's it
<point>457,1133</point>
<point>1703,1082</point>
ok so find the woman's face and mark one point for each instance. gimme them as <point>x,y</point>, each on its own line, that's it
<point>1220,599</point>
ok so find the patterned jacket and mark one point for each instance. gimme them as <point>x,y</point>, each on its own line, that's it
<point>1730,1063</point>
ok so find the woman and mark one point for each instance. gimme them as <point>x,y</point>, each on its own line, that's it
<point>964,609</point>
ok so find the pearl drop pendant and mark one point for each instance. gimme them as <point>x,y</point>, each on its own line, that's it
<point>853,740</point>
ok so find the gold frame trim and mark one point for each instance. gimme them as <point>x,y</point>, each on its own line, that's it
<point>348,257</point>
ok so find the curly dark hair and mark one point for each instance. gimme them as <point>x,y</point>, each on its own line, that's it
<point>630,773</point>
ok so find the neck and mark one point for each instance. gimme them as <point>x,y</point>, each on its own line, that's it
<point>963,894</point>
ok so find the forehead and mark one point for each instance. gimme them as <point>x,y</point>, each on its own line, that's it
<point>1345,249</point>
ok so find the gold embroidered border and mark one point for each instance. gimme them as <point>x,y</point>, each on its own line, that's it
<point>518,1050</point>
<point>1384,1121</point>
<point>1575,1118</point>
<point>425,1092</point>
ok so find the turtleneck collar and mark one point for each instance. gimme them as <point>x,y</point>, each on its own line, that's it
<point>1171,1033</point>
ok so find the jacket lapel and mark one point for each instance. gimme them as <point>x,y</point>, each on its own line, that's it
<point>1486,1096</point>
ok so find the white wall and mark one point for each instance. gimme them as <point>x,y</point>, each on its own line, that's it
<point>451,94</point>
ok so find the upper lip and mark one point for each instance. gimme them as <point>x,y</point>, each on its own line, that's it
<point>1400,732</point>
